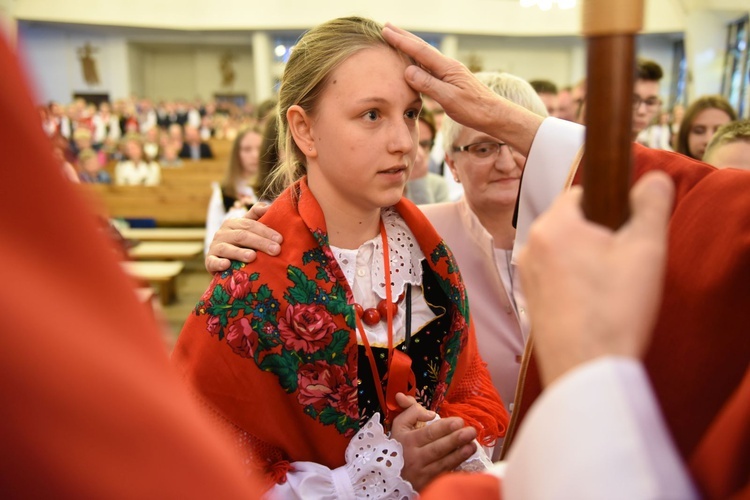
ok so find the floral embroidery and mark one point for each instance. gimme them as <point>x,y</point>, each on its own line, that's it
<point>306,338</point>
<point>305,342</point>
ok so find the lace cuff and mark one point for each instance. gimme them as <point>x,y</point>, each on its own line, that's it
<point>374,463</point>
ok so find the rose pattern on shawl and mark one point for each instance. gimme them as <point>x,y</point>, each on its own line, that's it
<point>306,327</point>
<point>214,325</point>
<point>239,285</point>
<point>242,338</point>
<point>322,384</point>
<point>303,340</point>
<point>306,339</point>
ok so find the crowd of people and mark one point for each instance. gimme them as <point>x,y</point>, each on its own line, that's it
<point>132,139</point>
<point>355,345</point>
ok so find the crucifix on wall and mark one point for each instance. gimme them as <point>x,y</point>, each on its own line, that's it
<point>226,65</point>
<point>88,64</point>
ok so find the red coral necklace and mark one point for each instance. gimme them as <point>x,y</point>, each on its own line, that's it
<point>399,377</point>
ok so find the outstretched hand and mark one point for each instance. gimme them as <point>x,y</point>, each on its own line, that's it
<point>463,97</point>
<point>430,450</point>
<point>239,239</point>
<point>590,291</point>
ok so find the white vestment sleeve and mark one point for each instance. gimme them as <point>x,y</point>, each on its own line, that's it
<point>597,432</point>
<point>552,153</point>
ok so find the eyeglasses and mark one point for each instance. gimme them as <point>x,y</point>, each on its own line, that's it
<point>651,102</point>
<point>426,144</point>
<point>482,150</point>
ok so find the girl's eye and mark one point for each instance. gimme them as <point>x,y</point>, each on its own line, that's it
<point>371,115</point>
<point>412,114</point>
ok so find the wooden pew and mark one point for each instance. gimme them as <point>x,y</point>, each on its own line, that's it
<point>169,205</point>
<point>161,274</point>
<point>166,250</point>
<point>165,234</point>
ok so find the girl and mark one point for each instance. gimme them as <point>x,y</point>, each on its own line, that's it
<point>701,121</point>
<point>308,356</point>
<point>235,192</point>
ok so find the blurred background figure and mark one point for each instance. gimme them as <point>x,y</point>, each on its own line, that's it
<point>234,196</point>
<point>90,170</point>
<point>425,186</point>
<point>646,94</point>
<point>701,121</point>
<point>134,169</point>
<point>548,93</point>
<point>730,146</point>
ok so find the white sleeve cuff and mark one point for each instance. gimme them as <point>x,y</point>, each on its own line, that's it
<point>555,146</point>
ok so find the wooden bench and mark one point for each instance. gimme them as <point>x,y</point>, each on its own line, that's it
<point>161,274</point>
<point>166,250</point>
<point>165,234</point>
<point>183,205</point>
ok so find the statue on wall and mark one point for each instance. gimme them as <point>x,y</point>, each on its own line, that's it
<point>226,65</point>
<point>475,63</point>
<point>88,64</point>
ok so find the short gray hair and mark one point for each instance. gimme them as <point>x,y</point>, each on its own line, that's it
<point>505,85</point>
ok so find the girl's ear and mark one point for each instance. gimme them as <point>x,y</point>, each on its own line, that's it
<point>300,125</point>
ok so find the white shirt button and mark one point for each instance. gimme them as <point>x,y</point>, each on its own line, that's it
<point>361,272</point>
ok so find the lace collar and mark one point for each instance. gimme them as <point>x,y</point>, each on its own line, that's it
<point>405,254</point>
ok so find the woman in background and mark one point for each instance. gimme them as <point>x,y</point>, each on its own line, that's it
<point>135,170</point>
<point>234,195</point>
<point>701,121</point>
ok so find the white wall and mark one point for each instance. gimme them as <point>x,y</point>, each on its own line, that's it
<point>497,17</point>
<point>52,57</point>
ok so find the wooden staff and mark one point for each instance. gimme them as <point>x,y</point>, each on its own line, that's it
<point>610,27</point>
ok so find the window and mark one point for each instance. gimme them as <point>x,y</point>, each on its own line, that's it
<point>735,85</point>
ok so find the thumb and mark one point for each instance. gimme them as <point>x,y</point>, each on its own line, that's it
<point>423,82</point>
<point>651,202</point>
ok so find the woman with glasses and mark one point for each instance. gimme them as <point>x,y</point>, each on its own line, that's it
<point>478,228</point>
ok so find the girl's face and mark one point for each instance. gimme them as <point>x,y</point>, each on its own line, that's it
<point>250,153</point>
<point>364,133</point>
<point>133,150</point>
<point>703,128</point>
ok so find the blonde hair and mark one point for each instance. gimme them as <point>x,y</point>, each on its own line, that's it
<point>736,131</point>
<point>509,86</point>
<point>315,56</point>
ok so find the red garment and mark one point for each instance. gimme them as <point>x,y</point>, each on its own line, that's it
<point>91,408</point>
<point>700,350</point>
<point>273,345</point>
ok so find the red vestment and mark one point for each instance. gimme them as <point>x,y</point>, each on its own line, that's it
<point>700,349</point>
<point>91,407</point>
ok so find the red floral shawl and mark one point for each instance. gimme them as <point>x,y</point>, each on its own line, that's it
<point>272,346</point>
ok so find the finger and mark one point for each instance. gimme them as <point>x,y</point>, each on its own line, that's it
<point>405,401</point>
<point>651,202</point>
<point>250,225</point>
<point>422,52</point>
<point>439,449</point>
<point>257,211</point>
<point>407,420</point>
<point>451,460</point>
<point>254,236</point>
<point>438,430</point>
<point>216,264</point>
<point>230,251</point>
